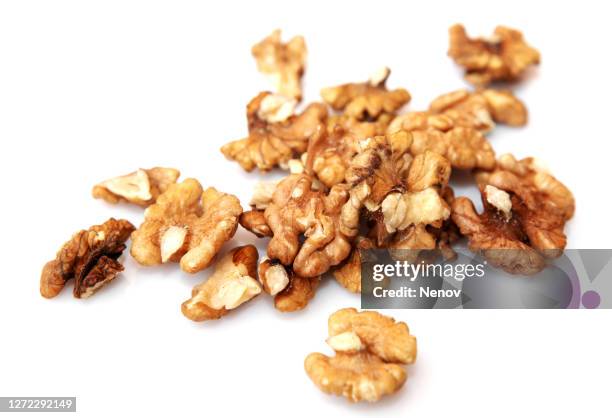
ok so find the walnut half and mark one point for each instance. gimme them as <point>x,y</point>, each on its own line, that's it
<point>370,351</point>
<point>90,257</point>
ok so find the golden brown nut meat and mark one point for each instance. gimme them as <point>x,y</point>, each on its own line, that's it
<point>357,377</point>
<point>299,211</point>
<point>90,257</point>
<point>465,147</point>
<point>187,225</point>
<point>232,284</point>
<point>276,135</point>
<point>503,57</point>
<point>396,192</point>
<point>283,63</point>
<point>525,211</point>
<point>366,100</point>
<point>370,350</point>
<point>291,292</point>
<point>348,274</point>
<point>331,151</point>
<point>480,110</point>
<point>141,187</point>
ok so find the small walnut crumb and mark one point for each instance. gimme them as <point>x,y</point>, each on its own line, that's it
<point>255,221</point>
<point>90,258</point>
<point>366,100</point>
<point>188,225</point>
<point>276,140</point>
<point>273,276</point>
<point>498,198</point>
<point>503,57</point>
<point>370,350</point>
<point>283,63</point>
<point>232,284</point>
<point>141,187</point>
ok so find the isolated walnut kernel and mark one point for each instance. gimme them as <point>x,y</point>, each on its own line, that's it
<point>503,57</point>
<point>370,350</point>
<point>525,211</point>
<point>188,225</point>
<point>366,100</point>
<point>141,187</point>
<point>232,284</point>
<point>90,257</point>
<point>272,141</point>
<point>283,63</point>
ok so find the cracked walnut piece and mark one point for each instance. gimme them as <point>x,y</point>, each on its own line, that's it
<point>276,135</point>
<point>525,211</point>
<point>141,187</point>
<point>90,257</point>
<point>370,350</point>
<point>188,225</point>
<point>283,63</point>
<point>232,284</point>
<point>366,101</point>
<point>480,110</point>
<point>503,57</point>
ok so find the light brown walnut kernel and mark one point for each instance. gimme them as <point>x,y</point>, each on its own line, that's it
<point>188,225</point>
<point>232,284</point>
<point>141,187</point>
<point>274,143</point>
<point>297,294</point>
<point>357,377</point>
<point>503,57</point>
<point>90,258</point>
<point>525,211</point>
<point>370,350</point>
<point>381,335</point>
<point>366,100</point>
<point>255,221</point>
<point>297,210</point>
<point>481,109</point>
<point>283,63</point>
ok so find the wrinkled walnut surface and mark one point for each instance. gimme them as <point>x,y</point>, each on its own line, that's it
<point>271,144</point>
<point>503,57</point>
<point>283,63</point>
<point>291,292</point>
<point>370,350</point>
<point>187,225</point>
<point>90,257</point>
<point>233,283</point>
<point>525,211</point>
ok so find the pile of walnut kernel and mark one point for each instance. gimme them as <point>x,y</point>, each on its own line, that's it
<point>361,175</point>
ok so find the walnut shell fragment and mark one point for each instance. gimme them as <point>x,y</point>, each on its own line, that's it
<point>188,225</point>
<point>366,101</point>
<point>283,63</point>
<point>90,257</point>
<point>525,211</point>
<point>503,57</point>
<point>276,135</point>
<point>370,351</point>
<point>141,187</point>
<point>233,283</point>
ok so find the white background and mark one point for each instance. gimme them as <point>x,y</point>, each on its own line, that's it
<point>90,90</point>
